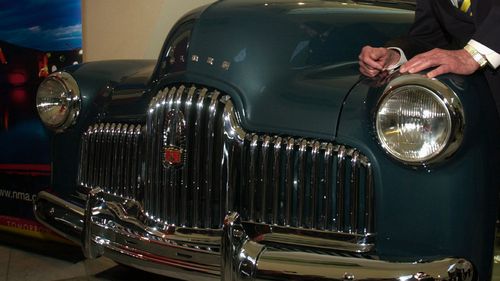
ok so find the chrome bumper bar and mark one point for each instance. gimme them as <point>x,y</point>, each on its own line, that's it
<point>118,229</point>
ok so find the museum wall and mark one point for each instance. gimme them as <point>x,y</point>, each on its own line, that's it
<point>129,29</point>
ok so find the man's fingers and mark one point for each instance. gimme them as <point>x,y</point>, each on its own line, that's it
<point>438,71</point>
<point>367,70</point>
<point>419,63</point>
<point>371,56</point>
<point>372,63</point>
<point>445,61</point>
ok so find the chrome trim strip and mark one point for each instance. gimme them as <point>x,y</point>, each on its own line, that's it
<point>59,215</point>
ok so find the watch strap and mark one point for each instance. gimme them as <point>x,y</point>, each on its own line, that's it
<point>476,55</point>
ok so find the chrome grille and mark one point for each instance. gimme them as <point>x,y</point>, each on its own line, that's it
<point>268,179</point>
<point>278,180</point>
<point>306,183</point>
<point>110,158</point>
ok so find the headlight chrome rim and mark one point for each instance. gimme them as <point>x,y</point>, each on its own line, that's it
<point>69,98</point>
<point>442,94</point>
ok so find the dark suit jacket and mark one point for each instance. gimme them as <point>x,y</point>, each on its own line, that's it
<point>438,24</point>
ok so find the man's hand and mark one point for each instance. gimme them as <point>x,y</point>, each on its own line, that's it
<point>373,61</point>
<point>445,61</point>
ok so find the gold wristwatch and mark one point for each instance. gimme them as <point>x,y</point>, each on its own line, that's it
<point>477,56</point>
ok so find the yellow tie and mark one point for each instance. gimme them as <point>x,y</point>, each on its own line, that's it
<point>464,6</point>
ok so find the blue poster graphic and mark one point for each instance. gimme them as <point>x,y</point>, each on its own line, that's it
<point>37,37</point>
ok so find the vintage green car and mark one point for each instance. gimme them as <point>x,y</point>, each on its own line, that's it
<point>253,149</point>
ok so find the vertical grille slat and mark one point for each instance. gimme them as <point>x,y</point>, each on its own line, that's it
<point>276,179</point>
<point>148,192</point>
<point>121,160</point>
<point>340,187</point>
<point>210,159</point>
<point>198,165</point>
<point>185,206</point>
<point>93,169</point>
<point>109,157</point>
<point>264,180</point>
<point>165,189</point>
<point>84,160</point>
<point>114,188</point>
<point>135,176</point>
<point>328,195</point>
<point>102,160</point>
<point>301,183</point>
<point>315,192</point>
<point>268,179</point>
<point>252,176</point>
<point>354,193</point>
<point>127,172</point>
<point>369,199</point>
<point>108,154</point>
<point>289,182</point>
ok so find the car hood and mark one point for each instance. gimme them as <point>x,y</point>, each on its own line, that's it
<point>291,64</point>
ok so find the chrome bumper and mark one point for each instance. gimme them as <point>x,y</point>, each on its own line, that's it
<point>117,229</point>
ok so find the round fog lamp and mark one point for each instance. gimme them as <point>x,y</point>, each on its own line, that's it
<point>58,101</point>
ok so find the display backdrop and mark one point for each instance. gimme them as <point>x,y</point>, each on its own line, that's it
<point>37,37</point>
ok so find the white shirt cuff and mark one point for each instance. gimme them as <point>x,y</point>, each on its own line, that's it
<point>491,56</point>
<point>402,59</point>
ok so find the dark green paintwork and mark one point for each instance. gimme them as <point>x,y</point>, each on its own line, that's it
<point>291,64</point>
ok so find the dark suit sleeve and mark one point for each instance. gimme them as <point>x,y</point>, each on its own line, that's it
<point>426,32</point>
<point>488,30</point>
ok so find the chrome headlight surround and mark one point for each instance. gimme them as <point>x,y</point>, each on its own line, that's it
<point>58,101</point>
<point>419,137</point>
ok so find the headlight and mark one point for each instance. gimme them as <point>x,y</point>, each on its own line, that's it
<point>419,120</point>
<point>58,101</point>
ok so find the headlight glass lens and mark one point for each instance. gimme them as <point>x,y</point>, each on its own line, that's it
<point>58,101</point>
<point>413,123</point>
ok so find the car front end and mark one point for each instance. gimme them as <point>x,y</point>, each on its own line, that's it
<point>253,150</point>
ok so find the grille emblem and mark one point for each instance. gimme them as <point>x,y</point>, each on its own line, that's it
<point>173,155</point>
<point>174,139</point>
